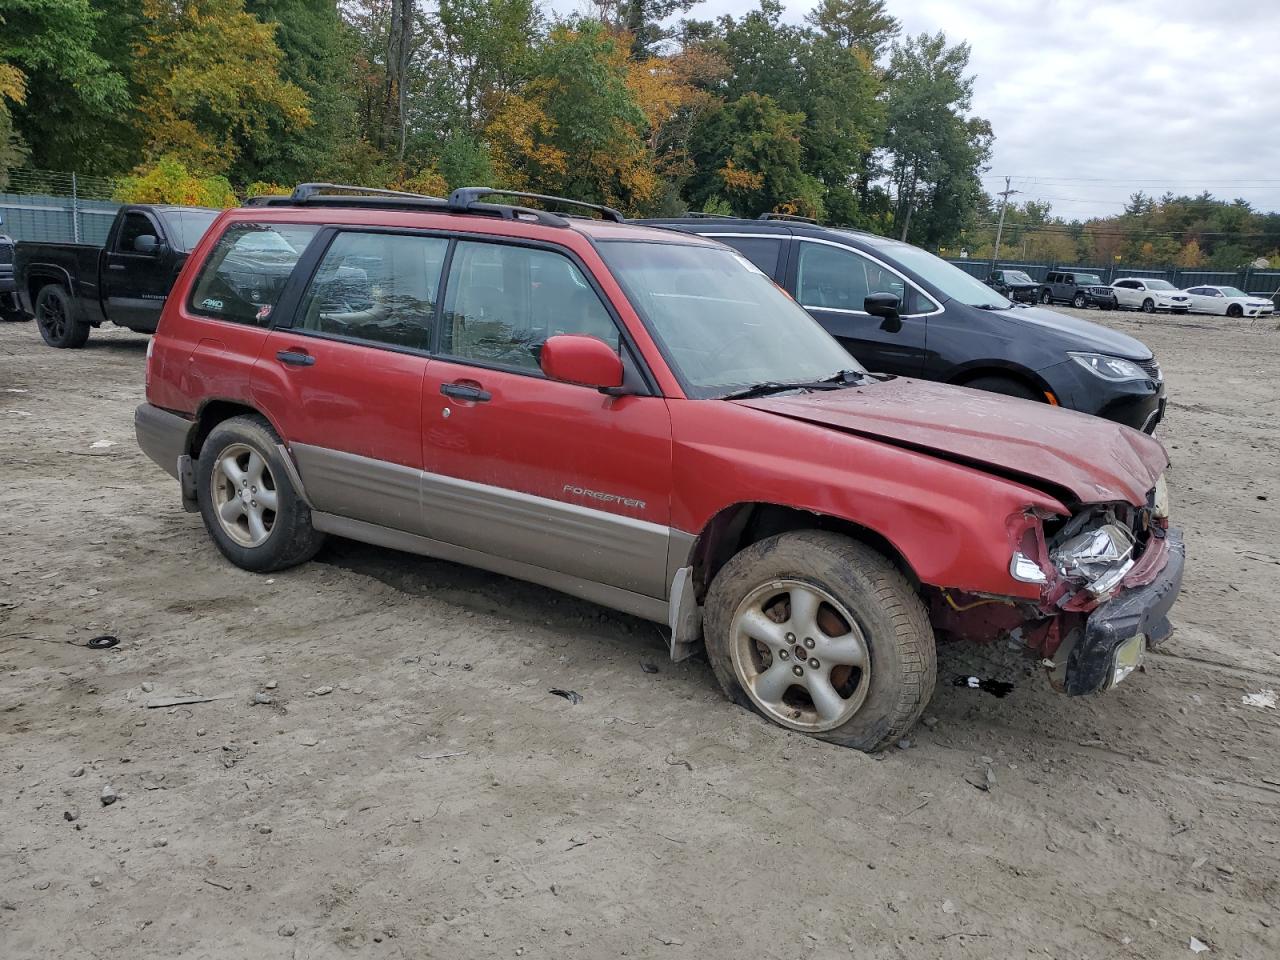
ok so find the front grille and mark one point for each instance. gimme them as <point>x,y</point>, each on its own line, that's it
<point>1151,368</point>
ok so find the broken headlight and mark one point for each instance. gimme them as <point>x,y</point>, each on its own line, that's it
<point>1098,558</point>
<point>1109,368</point>
<point>1160,500</point>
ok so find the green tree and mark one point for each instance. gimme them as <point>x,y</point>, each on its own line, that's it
<point>864,25</point>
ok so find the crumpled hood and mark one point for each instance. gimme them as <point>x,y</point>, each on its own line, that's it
<point>1096,460</point>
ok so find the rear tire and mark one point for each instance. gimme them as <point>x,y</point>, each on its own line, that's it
<point>1006,386</point>
<point>249,505</point>
<point>57,320</point>
<point>781,607</point>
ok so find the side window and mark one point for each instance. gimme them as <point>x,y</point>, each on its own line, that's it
<point>247,270</point>
<point>762,251</point>
<point>503,302</point>
<point>135,225</point>
<point>836,278</point>
<point>1051,278</point>
<point>379,287</point>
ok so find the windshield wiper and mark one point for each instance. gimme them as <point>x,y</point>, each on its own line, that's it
<point>836,381</point>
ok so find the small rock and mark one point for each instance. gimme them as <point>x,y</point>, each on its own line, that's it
<point>271,684</point>
<point>1227,869</point>
<point>286,929</point>
<point>109,795</point>
<point>41,885</point>
<point>357,690</point>
<point>78,772</point>
<point>322,691</point>
<point>160,842</point>
<point>904,743</point>
<point>1151,922</point>
<point>262,698</point>
<point>200,731</point>
<point>148,686</point>
<point>948,906</point>
<point>264,830</point>
<point>95,881</point>
<point>71,816</point>
<point>929,721</point>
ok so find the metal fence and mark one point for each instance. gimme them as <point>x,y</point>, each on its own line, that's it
<point>1254,281</point>
<point>57,207</point>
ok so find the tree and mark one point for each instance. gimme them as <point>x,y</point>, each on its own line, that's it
<point>211,87</point>
<point>13,90</point>
<point>168,180</point>
<point>856,25</point>
<point>1189,255</point>
<point>71,90</point>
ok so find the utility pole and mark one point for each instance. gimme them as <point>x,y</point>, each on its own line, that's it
<point>1004,195</point>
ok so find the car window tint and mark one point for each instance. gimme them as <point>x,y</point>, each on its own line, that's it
<point>762,251</point>
<point>379,287</point>
<point>837,278</point>
<point>503,302</point>
<point>247,270</point>
<point>135,225</point>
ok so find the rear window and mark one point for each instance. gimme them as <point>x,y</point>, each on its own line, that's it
<point>245,274</point>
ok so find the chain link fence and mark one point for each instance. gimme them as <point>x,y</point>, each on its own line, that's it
<point>57,207</point>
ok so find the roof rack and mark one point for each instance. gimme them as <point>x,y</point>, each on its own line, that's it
<point>467,198</point>
<point>703,215</point>
<point>787,216</point>
<point>305,191</point>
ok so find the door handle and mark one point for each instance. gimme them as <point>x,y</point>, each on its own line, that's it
<point>464,391</point>
<point>115,266</point>
<point>295,358</point>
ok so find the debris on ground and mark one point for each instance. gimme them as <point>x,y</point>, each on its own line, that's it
<point>441,756</point>
<point>1266,699</point>
<point>181,701</point>
<point>997,688</point>
<point>102,642</point>
<point>109,795</point>
<point>648,667</point>
<point>573,696</point>
<point>1197,946</point>
<point>984,778</point>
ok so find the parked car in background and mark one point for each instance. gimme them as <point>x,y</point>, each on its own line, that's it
<point>1150,295</point>
<point>9,309</point>
<point>73,287</point>
<point>1017,285</point>
<point>899,309</point>
<point>1081,290</point>
<point>641,418</point>
<point>1228,302</point>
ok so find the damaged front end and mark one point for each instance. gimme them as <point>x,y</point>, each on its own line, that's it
<point>1108,576</point>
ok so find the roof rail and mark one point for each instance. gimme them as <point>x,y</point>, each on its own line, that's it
<point>466,198</point>
<point>786,216</point>
<point>305,191</point>
<point>703,215</point>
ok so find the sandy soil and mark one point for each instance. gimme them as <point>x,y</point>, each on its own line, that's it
<point>438,801</point>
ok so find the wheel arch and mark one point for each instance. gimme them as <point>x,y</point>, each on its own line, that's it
<point>218,410</point>
<point>741,524</point>
<point>43,276</point>
<point>1023,375</point>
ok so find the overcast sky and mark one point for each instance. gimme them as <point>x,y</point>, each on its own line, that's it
<point>1092,100</point>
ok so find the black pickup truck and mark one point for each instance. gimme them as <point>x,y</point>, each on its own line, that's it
<point>71,287</point>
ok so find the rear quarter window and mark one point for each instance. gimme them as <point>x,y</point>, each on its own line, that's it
<point>243,277</point>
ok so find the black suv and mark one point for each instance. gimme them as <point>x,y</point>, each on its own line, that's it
<point>1017,285</point>
<point>1078,288</point>
<point>901,310</point>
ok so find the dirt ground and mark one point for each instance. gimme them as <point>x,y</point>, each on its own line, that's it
<point>413,790</point>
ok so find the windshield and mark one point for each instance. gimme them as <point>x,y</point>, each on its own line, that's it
<point>1084,279</point>
<point>950,280</point>
<point>1232,292</point>
<point>1016,276</point>
<point>722,324</point>
<point>189,226</point>
<point>1159,285</point>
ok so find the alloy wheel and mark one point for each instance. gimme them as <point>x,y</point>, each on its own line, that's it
<point>800,655</point>
<point>244,495</point>
<point>53,319</point>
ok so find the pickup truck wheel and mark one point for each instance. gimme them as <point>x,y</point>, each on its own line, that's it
<point>1148,305</point>
<point>56,318</point>
<point>1079,301</point>
<point>1044,297</point>
<point>249,505</point>
<point>821,634</point>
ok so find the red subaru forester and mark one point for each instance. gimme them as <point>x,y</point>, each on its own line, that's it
<point>641,418</point>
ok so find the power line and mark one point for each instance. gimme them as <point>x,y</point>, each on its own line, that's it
<point>1137,233</point>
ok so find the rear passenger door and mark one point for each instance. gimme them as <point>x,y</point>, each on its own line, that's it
<point>555,475</point>
<point>343,378</point>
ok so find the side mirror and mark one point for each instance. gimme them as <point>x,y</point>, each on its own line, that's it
<point>884,305</point>
<point>587,361</point>
<point>146,244</point>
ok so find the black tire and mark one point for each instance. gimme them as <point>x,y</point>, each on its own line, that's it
<point>1080,302</point>
<point>58,319</point>
<point>893,625</point>
<point>1148,305</point>
<point>1044,297</point>
<point>1007,386</point>
<point>1235,311</point>
<point>290,539</point>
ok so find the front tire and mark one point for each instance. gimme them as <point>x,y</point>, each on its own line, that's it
<point>56,317</point>
<point>1148,306</point>
<point>1235,311</point>
<point>247,501</point>
<point>1079,302</point>
<point>1044,297</point>
<point>822,635</point>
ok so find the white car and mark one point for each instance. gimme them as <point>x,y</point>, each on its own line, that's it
<point>1229,302</point>
<point>1147,295</point>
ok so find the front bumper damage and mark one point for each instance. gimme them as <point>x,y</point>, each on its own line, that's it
<point>1086,662</point>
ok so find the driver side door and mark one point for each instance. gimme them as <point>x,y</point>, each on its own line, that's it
<point>135,282</point>
<point>832,281</point>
